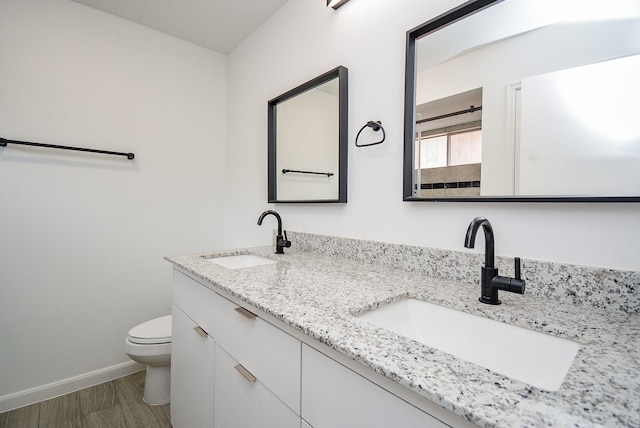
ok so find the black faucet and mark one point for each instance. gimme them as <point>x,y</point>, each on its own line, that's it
<point>490,281</point>
<point>281,243</point>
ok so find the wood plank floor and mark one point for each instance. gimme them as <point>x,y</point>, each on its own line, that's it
<point>114,404</point>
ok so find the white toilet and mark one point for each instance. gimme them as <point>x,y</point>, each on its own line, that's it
<point>150,344</point>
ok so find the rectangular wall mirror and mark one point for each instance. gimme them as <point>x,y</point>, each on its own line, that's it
<point>524,100</point>
<point>307,141</point>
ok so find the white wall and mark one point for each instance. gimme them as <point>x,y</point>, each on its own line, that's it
<point>82,237</point>
<point>304,39</point>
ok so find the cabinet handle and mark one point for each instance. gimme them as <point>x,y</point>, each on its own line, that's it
<point>246,373</point>
<point>200,331</point>
<point>245,313</point>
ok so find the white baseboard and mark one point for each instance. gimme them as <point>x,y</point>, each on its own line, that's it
<point>65,386</point>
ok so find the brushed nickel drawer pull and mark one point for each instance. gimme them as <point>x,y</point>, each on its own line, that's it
<point>246,373</point>
<point>200,331</point>
<point>245,313</point>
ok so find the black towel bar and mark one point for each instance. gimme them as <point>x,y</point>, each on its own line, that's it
<point>286,171</point>
<point>4,142</point>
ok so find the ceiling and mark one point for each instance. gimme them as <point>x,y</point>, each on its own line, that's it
<point>219,25</point>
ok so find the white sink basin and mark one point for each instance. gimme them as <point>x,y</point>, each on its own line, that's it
<point>240,261</point>
<point>538,359</point>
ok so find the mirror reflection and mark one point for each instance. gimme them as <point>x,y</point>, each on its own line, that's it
<point>525,100</point>
<point>307,141</point>
<point>448,146</point>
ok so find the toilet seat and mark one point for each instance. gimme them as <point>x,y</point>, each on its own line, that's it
<point>155,331</point>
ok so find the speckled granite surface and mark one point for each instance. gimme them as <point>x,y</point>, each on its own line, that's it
<point>316,290</point>
<point>598,287</point>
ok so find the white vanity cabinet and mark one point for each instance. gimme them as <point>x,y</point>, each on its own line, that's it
<point>333,396</point>
<point>192,375</point>
<point>267,352</point>
<point>233,369</point>
<point>252,368</point>
<point>245,401</point>
<point>257,371</point>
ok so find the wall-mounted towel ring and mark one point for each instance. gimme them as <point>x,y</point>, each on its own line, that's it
<point>376,126</point>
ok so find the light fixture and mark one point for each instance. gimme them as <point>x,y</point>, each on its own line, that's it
<point>336,3</point>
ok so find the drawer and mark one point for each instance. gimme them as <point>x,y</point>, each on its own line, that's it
<point>273,355</point>
<point>242,403</point>
<point>195,300</point>
<point>333,396</point>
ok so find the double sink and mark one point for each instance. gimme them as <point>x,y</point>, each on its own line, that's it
<point>539,359</point>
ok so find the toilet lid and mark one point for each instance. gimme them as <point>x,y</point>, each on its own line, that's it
<point>157,330</point>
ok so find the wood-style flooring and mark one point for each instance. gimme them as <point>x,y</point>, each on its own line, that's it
<point>114,404</point>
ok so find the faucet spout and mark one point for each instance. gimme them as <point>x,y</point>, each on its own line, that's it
<point>276,215</point>
<point>489,245</point>
<point>281,242</point>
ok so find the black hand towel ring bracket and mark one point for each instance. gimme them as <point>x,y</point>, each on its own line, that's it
<point>376,126</point>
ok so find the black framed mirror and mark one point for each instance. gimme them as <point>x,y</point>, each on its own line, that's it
<point>524,101</point>
<point>307,141</point>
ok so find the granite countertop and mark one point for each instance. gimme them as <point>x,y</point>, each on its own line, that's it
<point>319,294</point>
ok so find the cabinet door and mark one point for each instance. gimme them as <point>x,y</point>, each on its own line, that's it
<point>243,403</point>
<point>335,397</point>
<point>192,374</point>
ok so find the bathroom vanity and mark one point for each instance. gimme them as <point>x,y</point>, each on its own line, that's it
<point>280,345</point>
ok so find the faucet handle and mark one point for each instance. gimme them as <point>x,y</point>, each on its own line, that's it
<point>489,294</point>
<point>285,243</point>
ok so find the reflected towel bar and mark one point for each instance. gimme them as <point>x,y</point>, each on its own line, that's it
<point>471,109</point>
<point>4,142</point>
<point>286,171</point>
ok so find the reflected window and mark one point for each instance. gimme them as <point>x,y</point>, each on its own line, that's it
<point>448,146</point>
<point>460,148</point>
